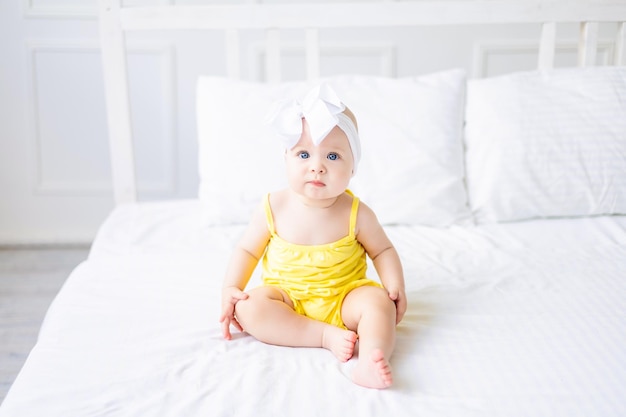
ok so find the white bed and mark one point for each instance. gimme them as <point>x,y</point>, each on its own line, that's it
<point>507,206</point>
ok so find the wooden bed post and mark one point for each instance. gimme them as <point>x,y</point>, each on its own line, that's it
<point>547,45</point>
<point>117,101</point>
<point>588,44</point>
<point>619,57</point>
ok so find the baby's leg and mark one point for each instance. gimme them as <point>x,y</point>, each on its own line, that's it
<point>371,312</point>
<point>268,315</point>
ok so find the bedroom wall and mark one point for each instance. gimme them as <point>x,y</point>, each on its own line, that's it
<point>54,172</point>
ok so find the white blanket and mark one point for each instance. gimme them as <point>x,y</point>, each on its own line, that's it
<point>519,319</point>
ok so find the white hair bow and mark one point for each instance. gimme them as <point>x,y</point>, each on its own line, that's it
<point>323,110</point>
<point>320,108</point>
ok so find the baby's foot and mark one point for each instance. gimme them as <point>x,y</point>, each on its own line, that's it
<point>373,372</point>
<point>339,341</point>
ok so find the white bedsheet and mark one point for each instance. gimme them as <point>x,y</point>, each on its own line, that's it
<point>519,319</point>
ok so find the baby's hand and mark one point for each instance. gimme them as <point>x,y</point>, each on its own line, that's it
<point>398,296</point>
<point>230,297</point>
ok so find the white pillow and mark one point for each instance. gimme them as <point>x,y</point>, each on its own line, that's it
<point>544,144</point>
<point>239,159</point>
<point>411,170</point>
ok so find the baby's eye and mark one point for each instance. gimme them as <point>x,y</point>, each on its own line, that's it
<point>333,156</point>
<point>303,155</point>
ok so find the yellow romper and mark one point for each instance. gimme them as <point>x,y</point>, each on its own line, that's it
<point>316,277</point>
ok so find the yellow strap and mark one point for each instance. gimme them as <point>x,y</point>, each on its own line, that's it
<point>353,213</point>
<point>268,214</point>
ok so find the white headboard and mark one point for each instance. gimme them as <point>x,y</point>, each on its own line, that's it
<point>116,20</point>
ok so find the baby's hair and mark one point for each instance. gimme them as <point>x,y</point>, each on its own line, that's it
<point>352,117</point>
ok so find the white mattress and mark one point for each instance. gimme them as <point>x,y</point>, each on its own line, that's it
<point>519,319</point>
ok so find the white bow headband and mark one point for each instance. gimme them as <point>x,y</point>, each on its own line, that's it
<point>323,110</point>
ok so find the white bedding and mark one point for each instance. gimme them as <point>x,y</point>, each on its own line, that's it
<point>517,319</point>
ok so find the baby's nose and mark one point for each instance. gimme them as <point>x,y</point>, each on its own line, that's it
<point>317,165</point>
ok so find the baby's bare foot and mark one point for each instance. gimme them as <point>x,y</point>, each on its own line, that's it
<point>373,372</point>
<point>339,341</point>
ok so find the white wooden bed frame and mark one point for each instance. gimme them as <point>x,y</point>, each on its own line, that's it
<point>116,20</point>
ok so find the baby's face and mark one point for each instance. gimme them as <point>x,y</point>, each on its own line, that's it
<point>323,171</point>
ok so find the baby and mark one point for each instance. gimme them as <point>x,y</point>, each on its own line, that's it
<point>313,238</point>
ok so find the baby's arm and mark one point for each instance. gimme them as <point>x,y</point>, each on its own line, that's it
<point>243,261</point>
<point>384,256</point>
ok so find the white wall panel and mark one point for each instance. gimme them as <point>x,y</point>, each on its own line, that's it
<point>372,58</point>
<point>494,58</point>
<point>68,120</point>
<point>154,107</point>
<point>68,127</point>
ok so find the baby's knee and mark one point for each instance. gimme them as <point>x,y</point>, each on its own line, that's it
<point>256,301</point>
<point>374,298</point>
<point>380,299</point>
<point>245,308</point>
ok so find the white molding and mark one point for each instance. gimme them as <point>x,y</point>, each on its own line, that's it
<point>62,11</point>
<point>483,50</point>
<point>342,14</point>
<point>385,51</point>
<point>43,186</point>
<point>88,10</point>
